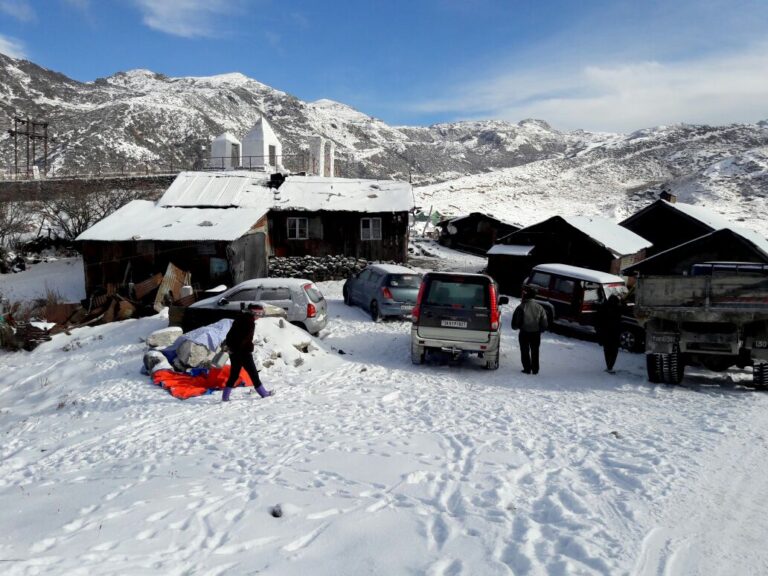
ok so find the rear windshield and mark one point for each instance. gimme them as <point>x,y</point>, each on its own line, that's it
<point>313,292</point>
<point>619,290</point>
<point>459,293</point>
<point>404,281</point>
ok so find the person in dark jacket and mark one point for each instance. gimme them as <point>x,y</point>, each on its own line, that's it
<point>239,341</point>
<point>531,319</point>
<point>608,326</point>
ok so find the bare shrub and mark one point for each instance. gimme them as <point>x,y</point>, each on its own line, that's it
<point>14,221</point>
<point>72,213</point>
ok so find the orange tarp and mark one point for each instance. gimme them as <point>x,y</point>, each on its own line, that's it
<point>183,386</point>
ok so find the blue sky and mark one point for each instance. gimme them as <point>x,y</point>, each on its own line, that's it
<point>611,65</point>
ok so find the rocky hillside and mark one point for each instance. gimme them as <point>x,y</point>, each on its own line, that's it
<point>138,118</point>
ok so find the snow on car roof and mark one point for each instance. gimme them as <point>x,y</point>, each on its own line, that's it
<point>610,234</point>
<point>510,249</point>
<point>579,273</point>
<point>249,190</point>
<point>145,220</point>
<point>392,269</point>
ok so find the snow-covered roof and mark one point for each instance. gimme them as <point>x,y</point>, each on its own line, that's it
<point>702,214</point>
<point>610,234</point>
<point>313,193</point>
<point>145,220</point>
<point>510,249</point>
<point>393,269</point>
<point>579,273</point>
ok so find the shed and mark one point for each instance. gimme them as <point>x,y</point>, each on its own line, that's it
<point>223,226</point>
<point>226,152</point>
<point>261,148</point>
<point>668,224</point>
<point>724,245</point>
<point>589,242</point>
<point>474,233</point>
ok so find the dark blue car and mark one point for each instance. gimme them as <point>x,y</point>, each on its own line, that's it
<point>384,290</point>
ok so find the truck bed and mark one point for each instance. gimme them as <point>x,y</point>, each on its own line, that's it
<point>703,298</point>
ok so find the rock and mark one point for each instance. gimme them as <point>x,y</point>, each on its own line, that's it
<point>154,360</point>
<point>164,337</point>
<point>193,355</point>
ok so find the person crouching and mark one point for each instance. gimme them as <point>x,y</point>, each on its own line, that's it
<point>239,341</point>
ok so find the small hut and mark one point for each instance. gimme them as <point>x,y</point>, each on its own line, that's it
<point>226,152</point>
<point>474,233</point>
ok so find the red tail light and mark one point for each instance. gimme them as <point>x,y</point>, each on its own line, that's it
<point>417,307</point>
<point>387,293</point>
<point>311,310</point>
<point>495,313</point>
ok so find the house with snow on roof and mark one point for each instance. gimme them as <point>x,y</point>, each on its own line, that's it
<point>589,242</point>
<point>222,227</point>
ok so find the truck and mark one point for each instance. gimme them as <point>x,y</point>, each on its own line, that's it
<point>716,320</point>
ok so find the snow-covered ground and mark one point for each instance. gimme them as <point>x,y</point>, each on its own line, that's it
<point>379,466</point>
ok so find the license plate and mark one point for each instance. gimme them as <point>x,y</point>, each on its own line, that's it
<point>664,338</point>
<point>405,308</point>
<point>453,323</point>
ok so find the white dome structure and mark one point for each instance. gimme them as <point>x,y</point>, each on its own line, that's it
<point>226,152</point>
<point>261,148</point>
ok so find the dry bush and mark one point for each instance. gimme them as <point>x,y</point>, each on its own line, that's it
<point>14,221</point>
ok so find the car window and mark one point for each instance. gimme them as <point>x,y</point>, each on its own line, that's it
<point>469,294</point>
<point>564,285</point>
<point>539,279</point>
<point>249,294</point>
<point>365,275</point>
<point>314,293</point>
<point>591,292</point>
<point>616,288</point>
<point>404,281</point>
<point>275,294</point>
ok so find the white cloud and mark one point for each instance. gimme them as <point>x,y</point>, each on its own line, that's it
<point>19,9</point>
<point>186,18</point>
<point>12,47</point>
<point>622,97</point>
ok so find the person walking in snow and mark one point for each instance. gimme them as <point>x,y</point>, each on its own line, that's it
<point>239,341</point>
<point>608,327</point>
<point>531,320</point>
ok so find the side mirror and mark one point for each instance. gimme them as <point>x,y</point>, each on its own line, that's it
<point>503,300</point>
<point>223,302</point>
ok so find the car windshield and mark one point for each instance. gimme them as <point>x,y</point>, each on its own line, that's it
<point>313,292</point>
<point>458,293</point>
<point>404,281</point>
<point>617,288</point>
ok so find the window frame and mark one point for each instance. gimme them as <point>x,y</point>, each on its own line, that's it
<point>296,228</point>
<point>370,220</point>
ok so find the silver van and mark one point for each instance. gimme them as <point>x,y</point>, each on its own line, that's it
<point>455,313</point>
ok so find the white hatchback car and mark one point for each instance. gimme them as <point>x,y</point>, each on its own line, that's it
<point>301,299</point>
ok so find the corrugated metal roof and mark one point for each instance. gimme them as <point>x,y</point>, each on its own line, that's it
<point>145,220</point>
<point>249,190</point>
<point>511,249</point>
<point>610,234</point>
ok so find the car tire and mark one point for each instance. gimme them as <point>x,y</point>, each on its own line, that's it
<point>375,312</point>
<point>418,353</point>
<point>492,362</point>
<point>345,294</point>
<point>630,339</point>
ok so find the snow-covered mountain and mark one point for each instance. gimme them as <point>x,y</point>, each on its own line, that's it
<point>515,170</point>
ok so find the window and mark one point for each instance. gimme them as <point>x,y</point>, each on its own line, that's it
<point>370,229</point>
<point>404,281</point>
<point>539,279</point>
<point>591,292</point>
<point>247,295</point>
<point>275,294</point>
<point>297,229</point>
<point>564,286</point>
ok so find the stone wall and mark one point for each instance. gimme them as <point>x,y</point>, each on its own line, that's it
<point>315,268</point>
<point>26,190</point>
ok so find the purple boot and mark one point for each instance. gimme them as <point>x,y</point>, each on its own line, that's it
<point>263,392</point>
<point>225,394</point>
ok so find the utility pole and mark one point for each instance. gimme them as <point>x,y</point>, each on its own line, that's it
<point>29,129</point>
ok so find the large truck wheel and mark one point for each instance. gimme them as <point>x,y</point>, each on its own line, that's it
<point>673,368</point>
<point>654,368</point>
<point>492,360</point>
<point>760,375</point>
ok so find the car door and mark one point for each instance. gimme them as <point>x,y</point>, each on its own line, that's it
<point>358,288</point>
<point>371,289</point>
<point>281,296</point>
<point>563,291</point>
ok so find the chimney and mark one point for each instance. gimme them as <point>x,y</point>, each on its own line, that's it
<point>317,155</point>
<point>668,196</point>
